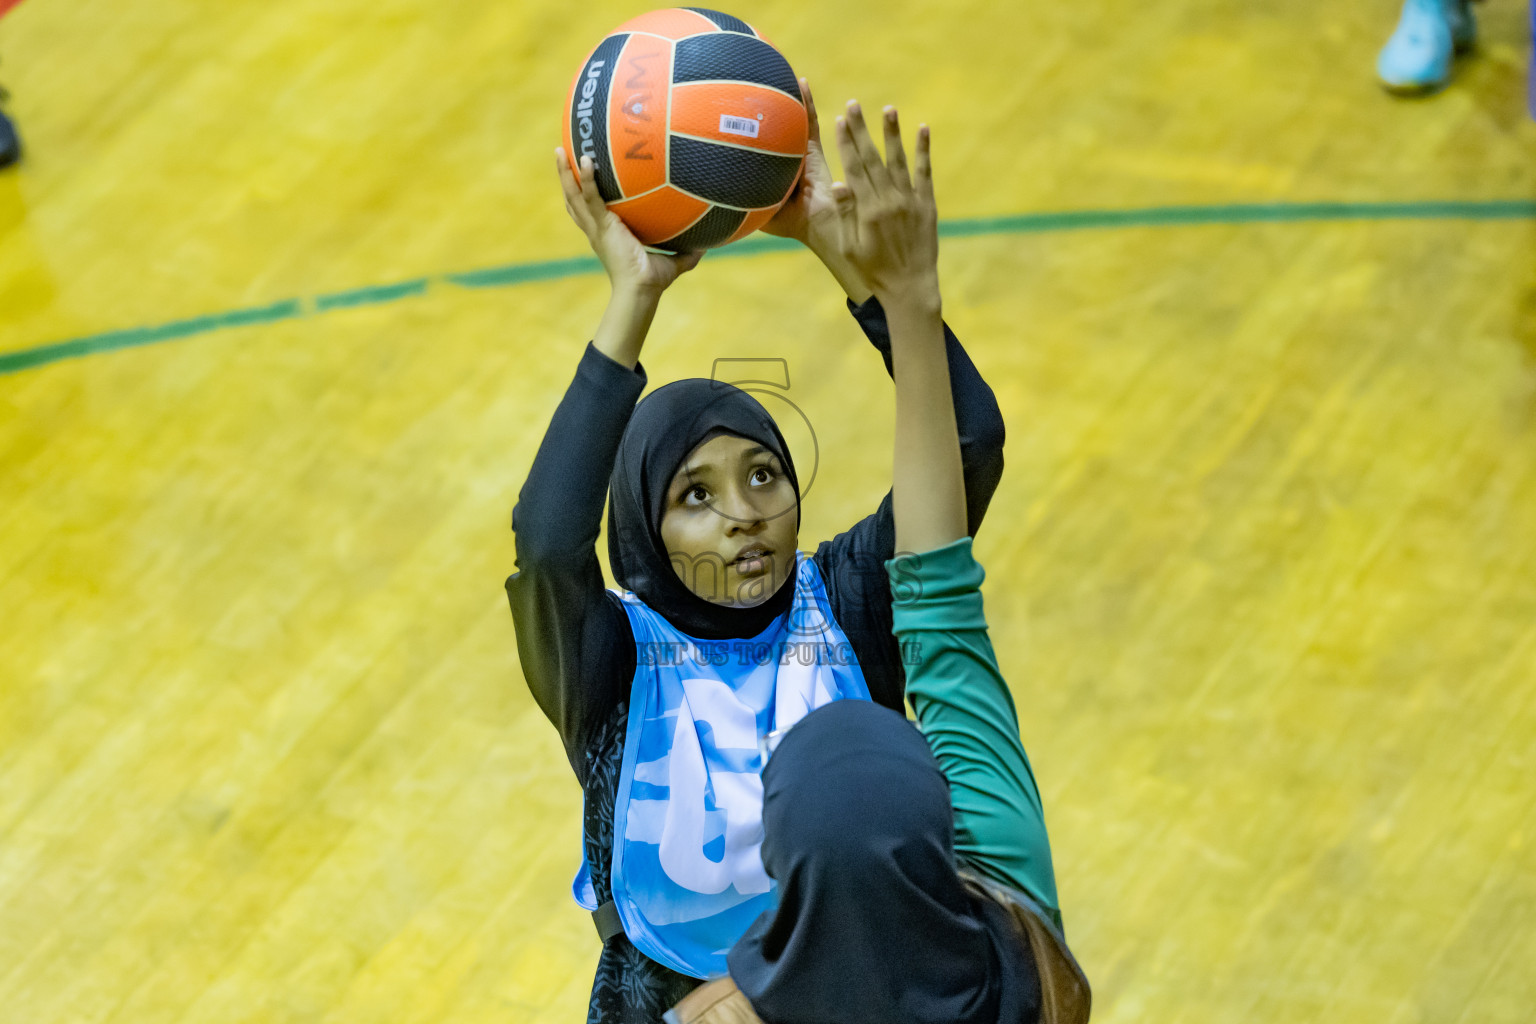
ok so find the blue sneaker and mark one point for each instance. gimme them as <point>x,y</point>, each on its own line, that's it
<point>1430,32</point>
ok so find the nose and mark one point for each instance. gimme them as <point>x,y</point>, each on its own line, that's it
<point>741,513</point>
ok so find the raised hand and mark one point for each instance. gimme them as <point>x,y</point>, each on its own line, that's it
<point>627,262</point>
<point>887,219</point>
<point>810,213</point>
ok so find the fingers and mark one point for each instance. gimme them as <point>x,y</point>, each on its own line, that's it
<point>847,216</point>
<point>854,174</point>
<point>582,200</point>
<point>570,189</point>
<point>810,110</point>
<point>895,153</point>
<point>590,197</point>
<point>816,170</point>
<point>873,165</point>
<point>922,182</point>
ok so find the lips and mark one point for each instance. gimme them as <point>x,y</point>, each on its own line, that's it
<point>751,553</point>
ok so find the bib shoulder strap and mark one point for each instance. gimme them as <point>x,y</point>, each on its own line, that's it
<point>606,917</point>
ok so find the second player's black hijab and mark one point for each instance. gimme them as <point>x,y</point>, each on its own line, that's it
<point>873,924</point>
<point>667,425</point>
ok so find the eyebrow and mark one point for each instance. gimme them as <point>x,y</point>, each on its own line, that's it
<point>707,469</point>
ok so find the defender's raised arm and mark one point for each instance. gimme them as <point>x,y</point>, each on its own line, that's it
<point>888,224</point>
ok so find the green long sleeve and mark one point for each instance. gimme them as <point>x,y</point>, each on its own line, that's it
<point>966,712</point>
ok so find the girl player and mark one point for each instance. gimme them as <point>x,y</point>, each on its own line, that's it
<point>725,633</point>
<point>913,871</point>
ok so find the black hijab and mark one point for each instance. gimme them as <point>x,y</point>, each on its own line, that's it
<point>665,428</point>
<point>873,923</point>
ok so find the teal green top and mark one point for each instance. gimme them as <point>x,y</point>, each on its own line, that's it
<point>965,710</point>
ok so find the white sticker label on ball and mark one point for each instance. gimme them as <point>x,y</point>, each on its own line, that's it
<point>738,126</point>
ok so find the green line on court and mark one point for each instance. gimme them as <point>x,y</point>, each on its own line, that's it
<point>11,362</point>
<point>521,273</point>
<point>370,296</point>
<point>756,245</point>
<point>550,270</point>
<point>1249,213</point>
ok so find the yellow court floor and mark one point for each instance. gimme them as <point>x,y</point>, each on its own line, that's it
<point>281,325</point>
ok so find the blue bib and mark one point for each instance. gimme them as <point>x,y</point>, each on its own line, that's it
<point>688,872</point>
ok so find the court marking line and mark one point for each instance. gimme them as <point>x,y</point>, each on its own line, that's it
<point>131,337</point>
<point>369,296</point>
<point>549,270</point>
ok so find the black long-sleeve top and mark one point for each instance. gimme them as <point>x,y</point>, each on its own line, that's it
<point>573,636</point>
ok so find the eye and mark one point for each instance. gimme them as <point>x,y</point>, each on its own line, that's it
<point>766,473</point>
<point>694,495</point>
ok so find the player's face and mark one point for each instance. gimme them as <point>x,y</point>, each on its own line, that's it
<point>729,524</point>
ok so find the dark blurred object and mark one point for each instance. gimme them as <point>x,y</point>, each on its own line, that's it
<point>10,142</point>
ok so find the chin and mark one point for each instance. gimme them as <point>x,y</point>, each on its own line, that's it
<point>757,590</point>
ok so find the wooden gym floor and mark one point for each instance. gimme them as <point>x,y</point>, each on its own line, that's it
<point>280,336</point>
